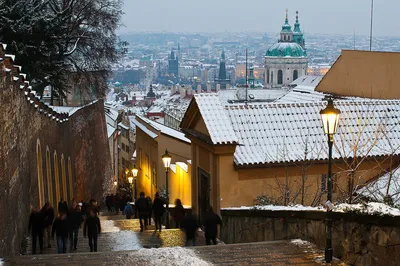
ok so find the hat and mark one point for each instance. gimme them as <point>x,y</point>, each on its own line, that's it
<point>80,204</point>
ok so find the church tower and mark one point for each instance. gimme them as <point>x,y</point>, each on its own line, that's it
<point>222,79</point>
<point>173,64</point>
<point>297,33</point>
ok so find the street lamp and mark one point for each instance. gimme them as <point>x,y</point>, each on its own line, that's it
<point>330,117</point>
<point>135,173</point>
<point>115,182</point>
<point>167,161</point>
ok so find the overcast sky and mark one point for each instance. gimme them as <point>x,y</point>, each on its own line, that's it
<point>316,16</point>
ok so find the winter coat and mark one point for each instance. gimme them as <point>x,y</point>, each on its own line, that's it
<point>142,206</point>
<point>158,207</point>
<point>75,219</point>
<point>179,213</point>
<point>128,211</point>
<point>48,217</point>
<point>92,226</point>
<point>211,221</point>
<point>60,227</point>
<point>62,207</point>
<point>36,221</point>
<point>190,225</point>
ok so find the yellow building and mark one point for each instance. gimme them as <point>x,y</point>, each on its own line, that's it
<point>279,150</point>
<point>364,74</point>
<point>152,139</point>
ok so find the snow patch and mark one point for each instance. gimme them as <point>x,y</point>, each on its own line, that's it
<point>1,262</point>
<point>168,256</point>
<point>371,208</point>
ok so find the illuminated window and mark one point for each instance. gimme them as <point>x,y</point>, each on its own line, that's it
<point>64,178</point>
<point>56,177</point>
<point>71,188</point>
<point>49,177</point>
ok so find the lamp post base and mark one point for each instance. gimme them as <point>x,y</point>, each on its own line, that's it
<point>328,255</point>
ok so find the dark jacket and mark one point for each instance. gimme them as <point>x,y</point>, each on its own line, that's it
<point>36,221</point>
<point>211,221</point>
<point>75,219</point>
<point>128,211</point>
<point>158,207</point>
<point>92,226</point>
<point>48,217</point>
<point>60,227</point>
<point>190,225</point>
<point>178,213</point>
<point>142,206</point>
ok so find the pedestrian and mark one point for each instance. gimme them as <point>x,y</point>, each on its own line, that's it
<point>128,211</point>
<point>108,202</point>
<point>178,213</point>
<point>48,213</point>
<point>62,206</point>
<point>150,208</point>
<point>75,219</point>
<point>143,209</point>
<point>190,226</point>
<point>92,229</point>
<point>36,226</point>
<point>61,229</point>
<point>211,222</point>
<point>117,202</point>
<point>158,210</point>
<point>113,202</point>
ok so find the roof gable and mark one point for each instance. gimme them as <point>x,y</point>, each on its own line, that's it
<point>364,74</point>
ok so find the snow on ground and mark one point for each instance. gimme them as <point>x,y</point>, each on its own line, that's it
<point>168,256</point>
<point>368,208</point>
<point>1,261</point>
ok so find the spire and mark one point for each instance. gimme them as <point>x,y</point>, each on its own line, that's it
<point>223,55</point>
<point>287,19</point>
<point>297,24</point>
<point>172,55</point>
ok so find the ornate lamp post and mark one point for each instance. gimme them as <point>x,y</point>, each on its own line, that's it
<point>116,185</point>
<point>135,173</point>
<point>167,161</point>
<point>330,117</point>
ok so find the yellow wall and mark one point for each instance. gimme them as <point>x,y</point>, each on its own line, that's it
<point>180,185</point>
<point>364,74</point>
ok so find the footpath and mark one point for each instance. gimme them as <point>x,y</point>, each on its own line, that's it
<point>122,243</point>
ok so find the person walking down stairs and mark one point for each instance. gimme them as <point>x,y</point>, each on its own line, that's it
<point>92,229</point>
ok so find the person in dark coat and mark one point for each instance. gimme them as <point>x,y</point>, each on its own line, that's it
<point>48,213</point>
<point>190,226</point>
<point>178,213</point>
<point>36,226</point>
<point>75,219</point>
<point>150,208</point>
<point>62,206</point>
<point>143,209</point>
<point>211,222</point>
<point>92,229</point>
<point>158,210</point>
<point>61,229</point>
<point>108,202</point>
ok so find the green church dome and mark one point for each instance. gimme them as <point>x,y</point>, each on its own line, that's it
<point>286,49</point>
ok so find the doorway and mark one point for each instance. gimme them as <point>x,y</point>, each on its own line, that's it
<point>204,190</point>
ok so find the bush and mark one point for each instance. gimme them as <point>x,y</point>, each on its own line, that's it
<point>263,200</point>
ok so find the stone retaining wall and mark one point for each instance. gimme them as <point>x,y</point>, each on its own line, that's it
<point>357,239</point>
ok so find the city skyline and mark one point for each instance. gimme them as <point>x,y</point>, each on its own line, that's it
<point>261,16</point>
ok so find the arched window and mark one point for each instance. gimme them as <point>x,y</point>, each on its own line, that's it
<point>295,74</point>
<point>272,77</point>
<point>49,179</point>
<point>56,177</point>
<point>268,76</point>
<point>280,77</point>
<point>64,178</point>
<point>71,188</point>
<point>39,164</point>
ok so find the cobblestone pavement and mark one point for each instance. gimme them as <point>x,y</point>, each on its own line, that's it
<point>120,240</point>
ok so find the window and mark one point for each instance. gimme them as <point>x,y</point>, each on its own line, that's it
<point>123,146</point>
<point>147,165</point>
<point>139,158</point>
<point>154,177</point>
<point>39,164</point>
<point>324,185</point>
<point>280,77</point>
<point>272,77</point>
<point>295,74</point>
<point>268,76</point>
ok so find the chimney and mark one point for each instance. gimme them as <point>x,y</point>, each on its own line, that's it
<point>218,87</point>
<point>208,87</point>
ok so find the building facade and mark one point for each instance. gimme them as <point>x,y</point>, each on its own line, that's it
<point>286,60</point>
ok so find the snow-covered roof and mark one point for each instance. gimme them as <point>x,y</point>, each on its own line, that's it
<point>134,123</point>
<point>110,130</point>
<point>301,94</point>
<point>166,130</point>
<point>216,119</point>
<point>289,132</point>
<point>123,126</point>
<point>66,109</point>
<point>307,81</point>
